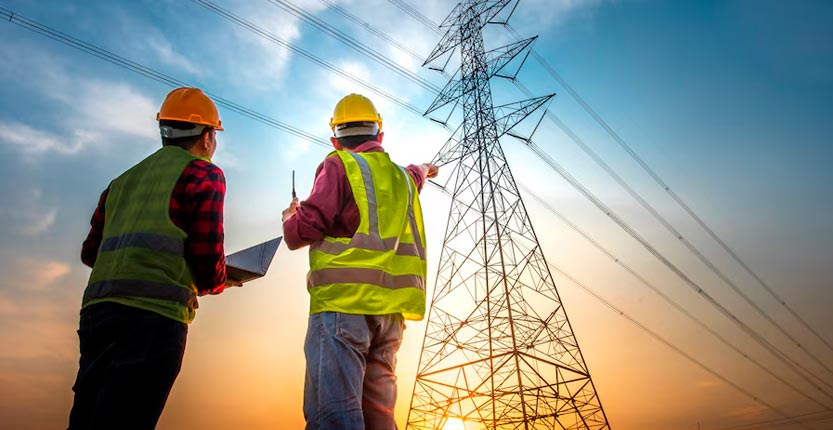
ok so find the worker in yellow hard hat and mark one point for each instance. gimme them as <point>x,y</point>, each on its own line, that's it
<point>155,244</point>
<point>363,224</point>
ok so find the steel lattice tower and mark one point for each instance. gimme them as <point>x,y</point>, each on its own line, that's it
<point>499,351</point>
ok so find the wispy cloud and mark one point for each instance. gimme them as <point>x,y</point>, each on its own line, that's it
<point>166,54</point>
<point>29,216</point>
<point>109,108</point>
<point>39,273</point>
<point>254,63</point>
<point>34,141</point>
<point>94,112</point>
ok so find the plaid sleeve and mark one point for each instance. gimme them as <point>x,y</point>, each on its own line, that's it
<point>89,249</point>
<point>197,203</point>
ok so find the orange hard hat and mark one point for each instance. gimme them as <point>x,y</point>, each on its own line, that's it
<point>190,105</point>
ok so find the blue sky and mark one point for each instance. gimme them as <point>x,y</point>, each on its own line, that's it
<point>729,102</point>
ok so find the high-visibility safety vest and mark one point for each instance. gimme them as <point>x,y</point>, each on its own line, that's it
<point>141,259</point>
<point>382,268</point>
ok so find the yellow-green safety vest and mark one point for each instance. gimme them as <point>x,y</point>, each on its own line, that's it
<point>141,259</point>
<point>381,269</point>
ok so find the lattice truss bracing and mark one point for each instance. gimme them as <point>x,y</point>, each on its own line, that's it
<point>499,352</point>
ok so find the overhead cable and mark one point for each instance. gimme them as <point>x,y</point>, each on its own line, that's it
<point>671,345</point>
<point>802,371</point>
<point>673,230</point>
<point>369,27</point>
<point>662,184</point>
<point>680,308</point>
<point>228,15</point>
<point>677,234</point>
<point>402,5</point>
<point>359,47</point>
<point>417,15</point>
<point>647,330</point>
<point>779,423</point>
<point>147,72</point>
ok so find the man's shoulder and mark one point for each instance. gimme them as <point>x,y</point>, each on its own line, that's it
<point>201,167</point>
<point>202,173</point>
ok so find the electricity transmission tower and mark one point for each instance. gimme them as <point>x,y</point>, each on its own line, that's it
<point>499,352</point>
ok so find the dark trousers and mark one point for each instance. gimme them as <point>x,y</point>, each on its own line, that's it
<point>129,361</point>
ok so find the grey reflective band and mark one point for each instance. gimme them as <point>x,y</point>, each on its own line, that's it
<point>364,241</point>
<point>411,217</point>
<point>354,275</point>
<point>175,133</point>
<point>156,242</point>
<point>372,214</point>
<point>137,288</point>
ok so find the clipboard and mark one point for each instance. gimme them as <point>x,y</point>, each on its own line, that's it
<point>253,262</point>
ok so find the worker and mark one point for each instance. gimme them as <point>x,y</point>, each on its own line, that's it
<point>155,244</point>
<point>363,223</point>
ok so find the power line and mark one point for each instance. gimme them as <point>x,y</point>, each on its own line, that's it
<point>224,13</point>
<point>668,343</point>
<point>619,140</point>
<point>598,160</point>
<point>367,26</point>
<point>812,417</point>
<point>680,308</point>
<point>668,226</point>
<point>677,234</point>
<point>784,358</point>
<point>147,72</point>
<point>359,47</point>
<point>417,15</point>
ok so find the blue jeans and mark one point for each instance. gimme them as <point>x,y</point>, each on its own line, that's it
<point>350,381</point>
<point>129,361</point>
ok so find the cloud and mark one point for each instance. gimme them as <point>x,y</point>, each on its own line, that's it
<point>94,111</point>
<point>253,62</point>
<point>165,52</point>
<point>84,112</point>
<point>106,108</point>
<point>341,85</point>
<point>28,214</point>
<point>32,141</point>
<point>38,273</point>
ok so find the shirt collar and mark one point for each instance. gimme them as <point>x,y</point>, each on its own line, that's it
<point>369,146</point>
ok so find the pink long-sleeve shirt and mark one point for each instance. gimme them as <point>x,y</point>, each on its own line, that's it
<point>330,209</point>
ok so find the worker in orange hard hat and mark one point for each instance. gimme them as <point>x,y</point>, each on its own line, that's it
<point>363,223</point>
<point>155,244</point>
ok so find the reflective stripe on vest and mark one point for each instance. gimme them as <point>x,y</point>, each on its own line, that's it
<point>365,276</point>
<point>342,268</point>
<point>139,288</point>
<point>156,242</point>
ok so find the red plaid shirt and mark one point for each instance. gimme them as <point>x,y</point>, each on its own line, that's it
<point>197,208</point>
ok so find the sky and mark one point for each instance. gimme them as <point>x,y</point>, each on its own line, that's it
<point>727,102</point>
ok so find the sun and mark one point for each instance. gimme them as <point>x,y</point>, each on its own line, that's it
<point>454,424</point>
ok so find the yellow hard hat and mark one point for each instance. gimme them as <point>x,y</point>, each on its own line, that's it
<point>355,108</point>
<point>190,105</point>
